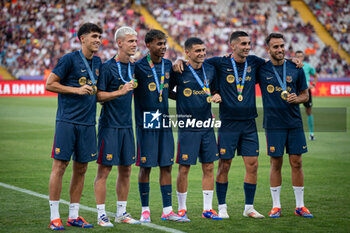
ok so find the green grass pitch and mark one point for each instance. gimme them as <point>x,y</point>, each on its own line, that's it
<point>26,137</point>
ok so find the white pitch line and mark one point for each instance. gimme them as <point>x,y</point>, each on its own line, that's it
<point>26,191</point>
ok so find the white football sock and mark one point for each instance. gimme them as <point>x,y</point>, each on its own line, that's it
<point>73,210</point>
<point>121,208</point>
<point>247,207</point>
<point>207,199</point>
<point>181,198</point>
<point>54,209</point>
<point>101,210</point>
<point>275,194</point>
<point>299,196</point>
<point>167,210</point>
<point>145,208</point>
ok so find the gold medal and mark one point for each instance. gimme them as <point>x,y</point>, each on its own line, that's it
<point>94,89</point>
<point>284,95</point>
<point>160,99</point>
<point>240,98</point>
<point>209,99</point>
<point>82,81</point>
<point>135,84</point>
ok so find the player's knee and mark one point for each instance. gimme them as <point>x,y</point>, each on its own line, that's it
<point>225,166</point>
<point>125,171</point>
<point>208,168</point>
<point>276,163</point>
<point>296,163</point>
<point>144,172</point>
<point>59,167</point>
<point>184,170</point>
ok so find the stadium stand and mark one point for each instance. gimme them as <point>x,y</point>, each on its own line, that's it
<point>34,36</point>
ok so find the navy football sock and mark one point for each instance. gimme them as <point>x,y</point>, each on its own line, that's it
<point>166,194</point>
<point>221,190</point>
<point>144,193</point>
<point>249,190</point>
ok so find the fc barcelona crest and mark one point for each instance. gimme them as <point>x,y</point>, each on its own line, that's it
<point>167,75</point>
<point>184,157</point>
<point>289,79</point>
<point>143,159</point>
<point>249,69</point>
<point>97,72</point>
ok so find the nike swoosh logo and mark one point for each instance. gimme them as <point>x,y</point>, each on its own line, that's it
<point>186,81</point>
<point>304,147</point>
<point>268,78</point>
<point>229,69</point>
<point>150,75</point>
<point>83,71</point>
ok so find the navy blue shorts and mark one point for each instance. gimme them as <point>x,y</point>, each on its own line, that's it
<point>292,139</point>
<point>194,144</point>
<point>116,146</point>
<point>74,140</point>
<point>154,147</point>
<point>238,135</point>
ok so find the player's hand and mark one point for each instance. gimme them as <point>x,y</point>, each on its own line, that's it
<point>216,98</point>
<point>179,66</point>
<point>131,59</point>
<point>85,90</point>
<point>128,87</point>
<point>297,62</point>
<point>292,98</point>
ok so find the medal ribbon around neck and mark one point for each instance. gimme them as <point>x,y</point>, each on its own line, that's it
<point>116,58</point>
<point>92,77</point>
<point>239,85</point>
<point>283,83</point>
<point>159,87</point>
<point>205,86</point>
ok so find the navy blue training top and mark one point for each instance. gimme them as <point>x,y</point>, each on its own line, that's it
<point>278,113</point>
<point>115,113</point>
<point>73,108</point>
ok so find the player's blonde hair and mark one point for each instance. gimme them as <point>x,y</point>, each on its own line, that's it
<point>123,31</point>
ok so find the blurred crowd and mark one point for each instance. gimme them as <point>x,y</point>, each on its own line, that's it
<point>335,16</point>
<point>34,36</point>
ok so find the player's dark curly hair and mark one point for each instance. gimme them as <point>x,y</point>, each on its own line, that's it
<point>192,41</point>
<point>87,28</point>
<point>237,34</point>
<point>273,35</point>
<point>154,34</point>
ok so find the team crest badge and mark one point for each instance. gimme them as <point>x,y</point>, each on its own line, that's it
<point>272,149</point>
<point>249,69</point>
<point>143,159</point>
<point>230,78</point>
<point>289,79</point>
<point>109,157</point>
<point>184,157</point>
<point>57,151</point>
<point>82,81</point>
<point>222,151</point>
<point>97,72</point>
<point>270,88</point>
<point>152,86</point>
<point>187,92</point>
<point>167,75</point>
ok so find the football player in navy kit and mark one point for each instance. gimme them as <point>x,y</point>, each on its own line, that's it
<point>283,87</point>
<point>74,79</point>
<point>194,89</point>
